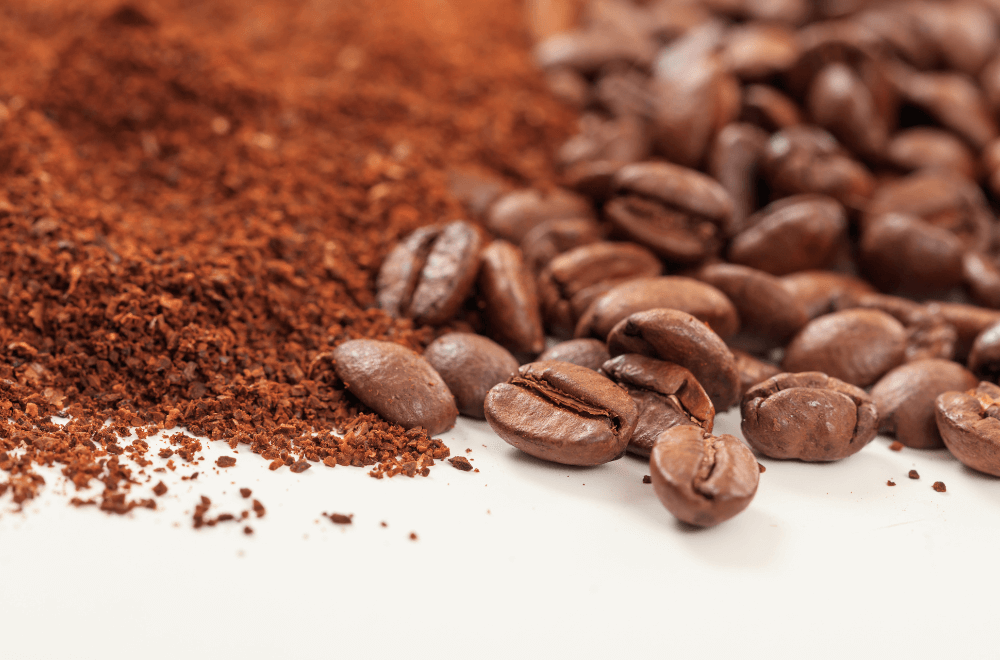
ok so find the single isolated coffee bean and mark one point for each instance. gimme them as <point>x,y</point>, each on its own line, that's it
<point>590,353</point>
<point>507,287</point>
<point>969,423</point>
<point>666,395</point>
<point>857,346</point>
<point>429,275</point>
<point>905,398</point>
<point>470,365</point>
<point>678,337</point>
<point>562,412</point>
<point>752,370</point>
<point>702,479</point>
<point>808,416</point>
<point>396,383</point>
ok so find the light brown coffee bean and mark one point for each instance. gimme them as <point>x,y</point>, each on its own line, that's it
<point>839,101</point>
<point>470,365</point>
<point>759,50</point>
<point>752,370</point>
<point>969,423</point>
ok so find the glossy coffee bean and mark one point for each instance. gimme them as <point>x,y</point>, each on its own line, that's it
<point>841,102</point>
<point>396,383</point>
<point>752,370</point>
<point>666,395</point>
<point>808,416</point>
<point>702,479</point>
<point>923,147</point>
<point>768,108</point>
<point>984,356</point>
<point>512,313</point>
<point>590,51</point>
<point>758,50</point>
<point>816,290</point>
<point>678,337</point>
<point>968,320</point>
<point>735,162</point>
<point>981,277</point>
<point>562,412</point>
<point>905,398</point>
<point>857,346</point>
<point>516,213</point>
<point>698,299</point>
<point>969,423</point>
<point>590,353</point>
<point>429,275</point>
<point>553,237</point>
<point>470,365</point>
<point>902,253</point>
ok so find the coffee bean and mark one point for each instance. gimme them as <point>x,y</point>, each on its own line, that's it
<point>397,384</point>
<point>590,51</point>
<point>808,416</point>
<point>622,140</point>
<point>428,276</point>
<point>700,300</point>
<point>930,337</point>
<point>477,191</point>
<point>758,50</point>
<point>903,253</point>
<point>752,370</point>
<point>735,162</point>
<point>562,412</point>
<point>963,35</point>
<point>675,212</point>
<point>702,479</point>
<point>574,279</point>
<point>553,237</point>
<point>857,346</point>
<point>969,423</point>
<point>793,234</point>
<point>839,101</point>
<point>470,365</point>
<point>768,108</point>
<point>816,290</point>
<point>991,166</point>
<point>968,320</point>
<point>589,353</point>
<point>516,213</point>
<point>905,397</point>
<point>923,147</point>
<point>512,313</point>
<point>678,337</point>
<point>666,395</point>
<point>981,277</point>
<point>984,357</point>
<point>904,310</point>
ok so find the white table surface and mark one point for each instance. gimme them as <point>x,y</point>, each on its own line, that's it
<point>524,558</point>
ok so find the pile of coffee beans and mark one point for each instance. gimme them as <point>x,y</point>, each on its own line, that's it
<point>782,206</point>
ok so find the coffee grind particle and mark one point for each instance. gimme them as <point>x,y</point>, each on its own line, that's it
<point>245,492</point>
<point>646,479</point>
<point>225,461</point>
<point>340,519</point>
<point>299,466</point>
<point>939,486</point>
<point>913,474</point>
<point>461,463</point>
<point>890,483</point>
<point>761,468</point>
<point>259,509</point>
<point>160,489</point>
<point>896,445</point>
<point>413,536</point>
<point>248,530</point>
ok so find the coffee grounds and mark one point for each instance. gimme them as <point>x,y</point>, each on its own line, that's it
<point>646,479</point>
<point>461,463</point>
<point>340,519</point>
<point>913,474</point>
<point>195,204</point>
<point>896,445</point>
<point>245,492</point>
<point>225,461</point>
<point>939,487</point>
<point>890,483</point>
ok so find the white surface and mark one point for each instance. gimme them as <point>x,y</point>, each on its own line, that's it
<point>523,558</point>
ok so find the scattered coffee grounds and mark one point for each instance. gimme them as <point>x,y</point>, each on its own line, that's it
<point>890,483</point>
<point>160,489</point>
<point>225,461</point>
<point>461,463</point>
<point>913,474</point>
<point>259,509</point>
<point>413,536</point>
<point>646,479</point>
<point>248,530</point>
<point>245,492</point>
<point>896,445</point>
<point>384,524</point>
<point>939,486</point>
<point>339,518</point>
<point>299,466</point>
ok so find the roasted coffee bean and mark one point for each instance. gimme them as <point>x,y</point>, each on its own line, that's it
<point>516,213</point>
<point>768,108</point>
<point>984,357</point>
<point>752,370</point>
<point>905,398</point>
<point>961,35</point>
<point>476,190</point>
<point>702,479</point>
<point>678,337</point>
<point>590,51</point>
<point>904,310</point>
<point>816,290</point>
<point>428,275</point>
<point>808,416</point>
<point>902,253</point>
<point>512,313</point>
<point>666,395</point>
<point>839,101</point>
<point>568,86</point>
<point>790,12</point>
<point>700,300</point>
<point>396,383</point>
<point>925,147</point>
<point>590,353</point>
<point>929,337</point>
<point>735,162</point>
<point>675,212</point>
<point>991,166</point>
<point>857,346</point>
<point>553,237</point>
<point>470,365</point>
<point>622,140</point>
<point>968,320</point>
<point>969,423</point>
<point>981,277</point>
<point>768,314</point>
<point>562,412</point>
<point>574,279</point>
<point>757,50</point>
<point>792,234</point>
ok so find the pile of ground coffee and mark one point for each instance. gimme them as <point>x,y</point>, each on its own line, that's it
<point>195,200</point>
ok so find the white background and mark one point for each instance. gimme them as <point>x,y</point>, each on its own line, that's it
<point>524,558</point>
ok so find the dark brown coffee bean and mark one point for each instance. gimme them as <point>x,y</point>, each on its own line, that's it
<point>674,211</point>
<point>808,416</point>
<point>562,412</point>
<point>857,346</point>
<point>839,101</point>
<point>816,290</point>
<point>902,253</point>
<point>396,383</point>
<point>678,337</point>
<point>981,276</point>
<point>924,147</point>
<point>969,423</point>
<point>735,163</point>
<point>984,357</point>
<point>930,337</point>
<point>516,213</point>
<point>574,279</point>
<point>767,312</point>
<point>622,140</point>
<point>792,234</point>
<point>991,166</point>
<point>756,51</point>
<point>512,313</point>
<point>961,35</point>
<point>590,353</point>
<point>553,237</point>
<point>700,300</point>
<point>470,365</point>
<point>968,320</point>
<point>702,479</point>
<point>429,275</point>
<point>666,395</point>
<point>752,370</point>
<point>905,398</point>
<point>768,108</point>
<point>904,310</point>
